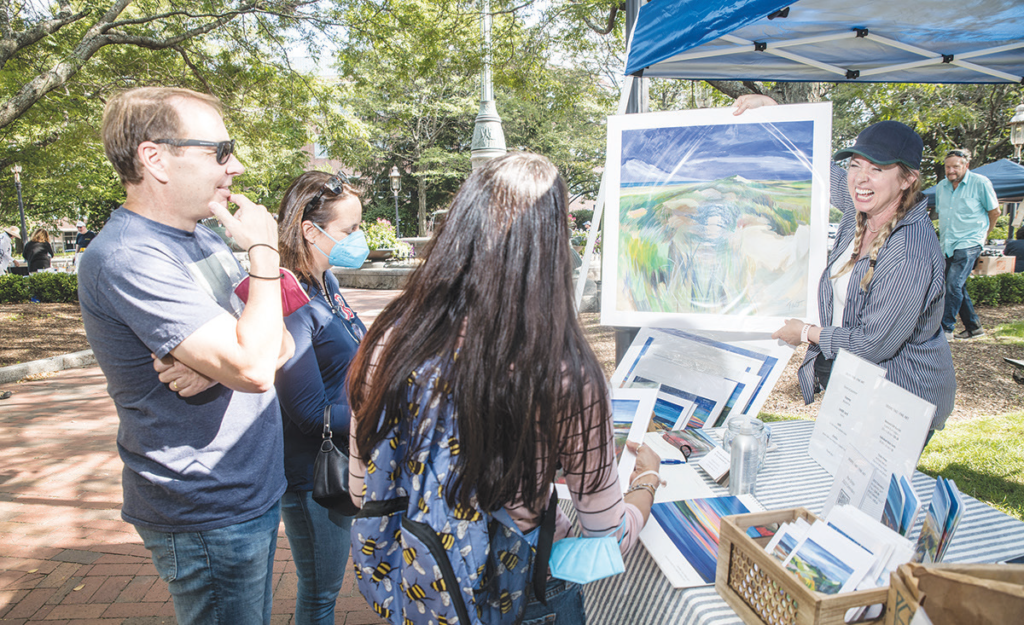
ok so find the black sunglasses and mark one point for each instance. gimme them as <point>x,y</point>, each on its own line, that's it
<point>959,153</point>
<point>224,148</point>
<point>335,184</point>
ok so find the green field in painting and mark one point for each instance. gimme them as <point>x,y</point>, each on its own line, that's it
<point>731,246</point>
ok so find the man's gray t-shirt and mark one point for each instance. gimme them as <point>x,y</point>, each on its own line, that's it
<point>192,464</point>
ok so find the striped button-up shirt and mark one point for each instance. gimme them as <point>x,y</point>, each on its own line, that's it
<point>896,322</point>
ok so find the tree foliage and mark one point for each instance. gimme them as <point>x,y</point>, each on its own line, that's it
<point>60,61</point>
<point>412,71</point>
<point>946,116</point>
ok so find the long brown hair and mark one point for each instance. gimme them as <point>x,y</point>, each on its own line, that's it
<point>295,253</point>
<point>910,197</point>
<point>40,236</point>
<point>497,286</point>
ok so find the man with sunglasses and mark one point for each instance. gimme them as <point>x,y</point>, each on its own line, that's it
<point>968,210</point>
<point>190,369</point>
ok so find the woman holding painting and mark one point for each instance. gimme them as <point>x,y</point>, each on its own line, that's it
<point>881,294</point>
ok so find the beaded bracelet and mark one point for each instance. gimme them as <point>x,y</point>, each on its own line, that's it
<point>647,487</point>
<point>266,245</point>
<point>277,277</point>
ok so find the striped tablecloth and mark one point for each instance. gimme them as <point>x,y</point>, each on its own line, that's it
<point>643,596</point>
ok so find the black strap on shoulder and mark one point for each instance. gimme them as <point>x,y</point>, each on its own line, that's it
<point>386,507</point>
<point>544,542</point>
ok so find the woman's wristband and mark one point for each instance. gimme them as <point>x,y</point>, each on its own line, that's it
<point>804,331</point>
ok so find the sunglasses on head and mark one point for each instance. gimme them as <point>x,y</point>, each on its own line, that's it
<point>957,153</point>
<point>224,148</point>
<point>335,184</point>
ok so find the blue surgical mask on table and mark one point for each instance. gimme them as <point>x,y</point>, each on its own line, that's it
<point>349,252</point>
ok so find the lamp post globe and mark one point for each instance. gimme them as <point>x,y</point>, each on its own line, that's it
<point>1017,131</point>
<point>396,186</point>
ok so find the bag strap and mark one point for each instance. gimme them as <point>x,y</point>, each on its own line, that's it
<point>327,422</point>
<point>544,542</point>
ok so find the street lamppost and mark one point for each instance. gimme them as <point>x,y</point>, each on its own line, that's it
<point>21,206</point>
<point>488,136</point>
<point>1017,131</point>
<point>396,186</point>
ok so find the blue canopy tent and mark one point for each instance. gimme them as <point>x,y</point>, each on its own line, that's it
<point>963,41</point>
<point>1007,179</point>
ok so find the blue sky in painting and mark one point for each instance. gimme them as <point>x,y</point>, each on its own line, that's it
<point>778,151</point>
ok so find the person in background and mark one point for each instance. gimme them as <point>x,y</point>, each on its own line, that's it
<point>968,210</point>
<point>318,228</point>
<point>881,294</point>
<point>1015,247</point>
<point>189,368</point>
<point>490,314</point>
<point>83,238</point>
<point>38,252</point>
<point>6,250</point>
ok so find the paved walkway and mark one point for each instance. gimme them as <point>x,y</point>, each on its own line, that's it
<point>66,557</point>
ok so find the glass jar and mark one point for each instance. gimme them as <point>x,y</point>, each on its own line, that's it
<point>733,425</point>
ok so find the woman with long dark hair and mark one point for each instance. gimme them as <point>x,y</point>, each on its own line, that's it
<point>318,227</point>
<point>490,316</point>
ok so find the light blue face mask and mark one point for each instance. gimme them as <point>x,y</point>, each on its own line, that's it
<point>585,560</point>
<point>349,252</point>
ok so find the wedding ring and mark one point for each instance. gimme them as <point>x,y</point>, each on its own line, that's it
<point>174,386</point>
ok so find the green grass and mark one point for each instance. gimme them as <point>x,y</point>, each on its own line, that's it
<point>1013,330</point>
<point>773,418</point>
<point>985,457</point>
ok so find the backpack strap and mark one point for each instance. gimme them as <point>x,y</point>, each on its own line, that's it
<point>544,542</point>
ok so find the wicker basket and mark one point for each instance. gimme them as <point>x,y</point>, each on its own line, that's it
<point>754,583</point>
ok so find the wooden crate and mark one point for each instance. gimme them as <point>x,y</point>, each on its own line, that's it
<point>754,583</point>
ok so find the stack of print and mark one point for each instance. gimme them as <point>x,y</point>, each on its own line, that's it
<point>901,505</point>
<point>847,551</point>
<point>702,378</point>
<point>940,522</point>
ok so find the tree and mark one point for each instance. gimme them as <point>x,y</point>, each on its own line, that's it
<point>946,116</point>
<point>411,71</point>
<point>60,63</point>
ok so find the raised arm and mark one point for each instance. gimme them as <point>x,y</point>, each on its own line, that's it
<point>243,354</point>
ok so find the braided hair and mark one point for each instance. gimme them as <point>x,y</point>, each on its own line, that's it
<point>910,197</point>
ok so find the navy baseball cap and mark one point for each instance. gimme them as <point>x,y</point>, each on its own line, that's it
<point>886,143</point>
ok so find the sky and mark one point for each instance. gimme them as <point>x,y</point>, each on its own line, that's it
<point>774,151</point>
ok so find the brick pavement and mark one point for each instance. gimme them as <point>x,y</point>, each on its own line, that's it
<point>66,557</point>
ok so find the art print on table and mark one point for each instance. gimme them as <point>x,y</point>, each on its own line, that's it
<point>631,414</point>
<point>690,529</point>
<point>716,221</point>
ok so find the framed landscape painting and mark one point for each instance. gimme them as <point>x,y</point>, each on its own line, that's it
<point>716,221</point>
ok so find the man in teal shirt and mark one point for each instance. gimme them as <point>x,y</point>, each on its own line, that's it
<point>968,210</point>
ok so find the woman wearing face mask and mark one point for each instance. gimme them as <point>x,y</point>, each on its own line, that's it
<point>318,228</point>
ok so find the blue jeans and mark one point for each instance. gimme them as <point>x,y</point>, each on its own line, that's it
<point>958,268</point>
<point>319,539</point>
<point>222,576</point>
<point>565,605</point>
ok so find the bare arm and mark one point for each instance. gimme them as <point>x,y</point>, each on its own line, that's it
<point>243,354</point>
<point>993,215</point>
